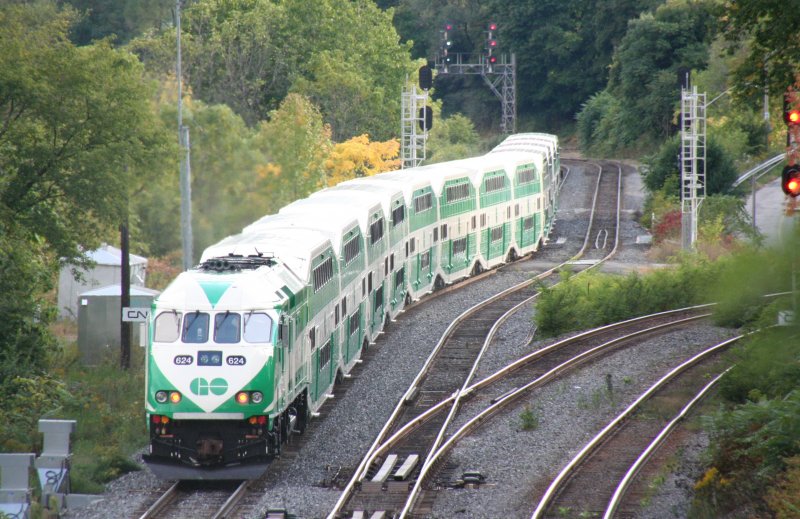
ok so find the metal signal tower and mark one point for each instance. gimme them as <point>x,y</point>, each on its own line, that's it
<point>413,131</point>
<point>498,71</point>
<point>693,162</point>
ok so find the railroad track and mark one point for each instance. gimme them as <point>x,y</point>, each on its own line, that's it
<point>449,370</point>
<point>492,395</point>
<point>595,481</point>
<point>192,499</point>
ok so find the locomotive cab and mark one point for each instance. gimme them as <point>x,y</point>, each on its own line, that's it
<point>213,378</point>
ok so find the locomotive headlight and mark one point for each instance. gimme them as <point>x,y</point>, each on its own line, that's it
<point>257,397</point>
<point>161,397</point>
<point>242,397</point>
<point>174,397</point>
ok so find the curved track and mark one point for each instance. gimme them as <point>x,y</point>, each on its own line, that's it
<point>585,486</point>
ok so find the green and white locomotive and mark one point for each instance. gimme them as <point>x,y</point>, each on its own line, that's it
<point>247,346</point>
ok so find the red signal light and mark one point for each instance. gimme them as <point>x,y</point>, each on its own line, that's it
<point>448,27</point>
<point>492,43</point>
<point>790,181</point>
<point>492,59</point>
<point>492,26</point>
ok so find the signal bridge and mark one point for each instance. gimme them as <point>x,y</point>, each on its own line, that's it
<point>499,72</point>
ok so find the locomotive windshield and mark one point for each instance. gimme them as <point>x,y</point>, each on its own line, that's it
<point>228,327</point>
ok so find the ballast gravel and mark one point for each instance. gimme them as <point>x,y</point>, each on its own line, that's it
<point>514,461</point>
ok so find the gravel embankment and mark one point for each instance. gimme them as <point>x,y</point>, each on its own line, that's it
<point>568,412</point>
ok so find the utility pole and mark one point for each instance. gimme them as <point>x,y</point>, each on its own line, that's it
<point>125,296</point>
<point>186,172</point>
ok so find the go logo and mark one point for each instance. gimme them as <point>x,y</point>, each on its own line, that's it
<point>201,386</point>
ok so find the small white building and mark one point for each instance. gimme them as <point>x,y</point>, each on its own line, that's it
<point>107,271</point>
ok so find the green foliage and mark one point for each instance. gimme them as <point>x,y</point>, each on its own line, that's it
<point>663,166</point>
<point>77,129</point>
<point>249,54</point>
<point>770,31</point>
<point>24,401</point>
<point>452,138</point>
<point>599,130</point>
<point>105,401</point>
<point>743,279</point>
<point>122,19</point>
<point>223,166</point>
<point>749,446</point>
<point>295,143</point>
<point>638,105</point>
<point>26,274</point>
<point>528,419</point>
<point>784,497</point>
<point>766,367</point>
<point>594,299</point>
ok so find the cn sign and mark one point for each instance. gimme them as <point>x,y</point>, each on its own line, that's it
<point>136,315</point>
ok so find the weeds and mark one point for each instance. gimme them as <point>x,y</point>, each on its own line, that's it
<point>529,419</point>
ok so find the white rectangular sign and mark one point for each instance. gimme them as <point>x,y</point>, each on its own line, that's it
<point>136,315</point>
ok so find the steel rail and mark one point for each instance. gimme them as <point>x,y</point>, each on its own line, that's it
<point>570,468</point>
<point>161,502</point>
<point>232,501</point>
<point>433,453</point>
<point>516,393</point>
<point>360,472</point>
<point>633,471</point>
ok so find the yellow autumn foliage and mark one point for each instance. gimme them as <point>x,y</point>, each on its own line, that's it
<point>358,157</point>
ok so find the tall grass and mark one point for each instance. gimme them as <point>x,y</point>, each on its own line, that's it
<point>106,402</point>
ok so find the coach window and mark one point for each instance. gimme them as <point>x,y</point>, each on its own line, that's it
<point>257,327</point>
<point>195,328</point>
<point>226,328</point>
<point>167,327</point>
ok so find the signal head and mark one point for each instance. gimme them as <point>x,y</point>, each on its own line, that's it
<point>790,180</point>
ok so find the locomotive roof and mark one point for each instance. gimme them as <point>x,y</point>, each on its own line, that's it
<point>295,247</point>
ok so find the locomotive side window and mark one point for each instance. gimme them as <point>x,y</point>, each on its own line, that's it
<point>227,328</point>
<point>195,328</point>
<point>167,327</point>
<point>257,327</point>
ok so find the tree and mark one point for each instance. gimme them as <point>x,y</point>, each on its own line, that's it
<point>295,143</point>
<point>77,133</point>
<point>664,165</point>
<point>768,30</point>
<point>121,19</point>
<point>638,106</point>
<point>249,54</point>
<point>358,157</point>
<point>452,138</point>
<point>77,130</point>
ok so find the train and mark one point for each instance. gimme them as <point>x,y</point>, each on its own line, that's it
<point>245,347</point>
